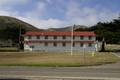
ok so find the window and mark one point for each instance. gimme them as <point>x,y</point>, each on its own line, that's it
<point>90,37</point>
<point>46,44</point>
<point>38,37</point>
<point>29,37</point>
<point>90,44</point>
<point>81,37</point>
<point>81,44</point>
<point>32,47</point>
<point>73,44</point>
<point>55,37</point>
<point>73,37</point>
<point>46,37</point>
<point>64,37</point>
<point>54,44</point>
<point>63,44</point>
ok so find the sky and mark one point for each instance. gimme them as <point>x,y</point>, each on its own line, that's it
<point>45,14</point>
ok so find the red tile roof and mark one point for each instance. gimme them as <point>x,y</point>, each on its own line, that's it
<point>53,33</point>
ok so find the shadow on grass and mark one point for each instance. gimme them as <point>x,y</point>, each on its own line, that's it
<point>54,79</point>
<point>114,50</point>
<point>12,79</point>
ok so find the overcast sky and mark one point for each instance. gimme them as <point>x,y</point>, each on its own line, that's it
<point>61,13</point>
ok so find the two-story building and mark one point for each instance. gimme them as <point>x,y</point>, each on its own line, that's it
<point>60,41</point>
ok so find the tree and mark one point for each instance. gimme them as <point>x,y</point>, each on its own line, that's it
<point>13,33</point>
<point>109,30</point>
<point>103,46</point>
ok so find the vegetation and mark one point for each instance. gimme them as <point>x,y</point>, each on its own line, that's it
<point>6,21</point>
<point>9,49</point>
<point>52,59</point>
<point>11,28</point>
<point>110,31</point>
<point>112,48</point>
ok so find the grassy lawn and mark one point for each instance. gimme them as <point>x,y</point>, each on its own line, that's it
<point>49,59</point>
<point>112,47</point>
<point>8,49</point>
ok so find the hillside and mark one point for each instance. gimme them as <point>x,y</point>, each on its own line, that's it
<point>10,29</point>
<point>11,22</point>
<point>6,21</point>
<point>68,28</point>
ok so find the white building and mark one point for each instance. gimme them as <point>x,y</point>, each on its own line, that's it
<point>60,41</point>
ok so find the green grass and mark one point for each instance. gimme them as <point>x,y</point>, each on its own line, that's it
<point>112,47</point>
<point>52,59</point>
<point>9,49</point>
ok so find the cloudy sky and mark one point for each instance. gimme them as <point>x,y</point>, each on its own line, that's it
<point>60,13</point>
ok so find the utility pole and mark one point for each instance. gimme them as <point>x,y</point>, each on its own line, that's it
<point>19,37</point>
<point>84,46</point>
<point>72,33</point>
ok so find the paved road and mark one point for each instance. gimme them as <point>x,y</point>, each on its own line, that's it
<point>104,72</point>
<point>118,53</point>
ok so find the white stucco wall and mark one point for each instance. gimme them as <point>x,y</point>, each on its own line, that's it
<point>59,47</point>
<point>68,38</point>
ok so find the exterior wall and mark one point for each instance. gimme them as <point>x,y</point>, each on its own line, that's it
<point>41,46</point>
<point>68,38</point>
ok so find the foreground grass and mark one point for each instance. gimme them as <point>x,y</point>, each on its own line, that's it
<point>49,59</point>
